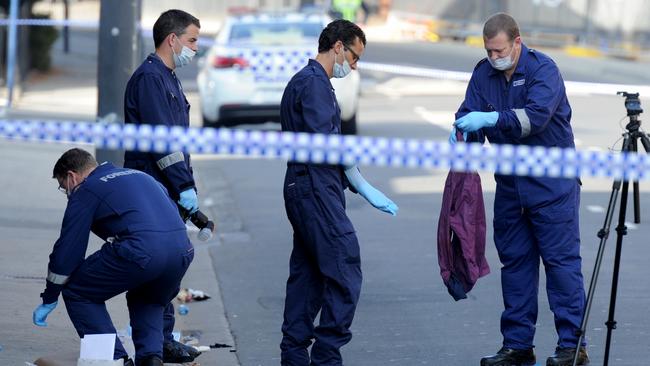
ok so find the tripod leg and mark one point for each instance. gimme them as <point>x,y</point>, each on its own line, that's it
<point>603,234</point>
<point>621,230</point>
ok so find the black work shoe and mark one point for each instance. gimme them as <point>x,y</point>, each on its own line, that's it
<point>151,361</point>
<point>193,352</point>
<point>510,357</point>
<point>564,357</point>
<point>173,352</point>
<point>128,362</point>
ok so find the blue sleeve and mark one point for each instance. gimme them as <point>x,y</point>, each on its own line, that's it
<point>472,103</point>
<point>318,106</point>
<point>155,109</point>
<point>70,249</point>
<point>545,91</point>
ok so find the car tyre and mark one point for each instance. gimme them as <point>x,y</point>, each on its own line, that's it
<point>211,123</point>
<point>349,127</point>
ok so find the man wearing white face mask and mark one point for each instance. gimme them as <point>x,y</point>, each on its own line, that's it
<point>154,95</point>
<point>325,264</point>
<point>516,96</point>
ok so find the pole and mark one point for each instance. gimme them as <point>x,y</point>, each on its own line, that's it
<point>66,28</point>
<point>11,50</point>
<point>117,57</point>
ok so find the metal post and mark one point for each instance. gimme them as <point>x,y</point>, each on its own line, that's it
<point>117,58</point>
<point>66,28</point>
<point>11,50</point>
<point>589,26</point>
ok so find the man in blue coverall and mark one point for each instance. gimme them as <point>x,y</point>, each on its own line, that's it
<point>154,96</point>
<point>516,96</point>
<point>325,264</point>
<point>146,253</point>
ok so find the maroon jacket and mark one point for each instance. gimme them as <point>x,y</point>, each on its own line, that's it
<point>461,234</point>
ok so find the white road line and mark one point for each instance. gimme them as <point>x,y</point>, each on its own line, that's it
<point>442,119</point>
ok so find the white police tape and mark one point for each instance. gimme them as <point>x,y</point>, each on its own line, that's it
<point>337,149</point>
<point>53,22</point>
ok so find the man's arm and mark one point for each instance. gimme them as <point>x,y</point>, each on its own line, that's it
<point>318,106</point>
<point>70,249</point>
<point>154,108</point>
<point>472,103</point>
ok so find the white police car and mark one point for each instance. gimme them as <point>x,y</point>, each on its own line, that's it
<point>243,75</point>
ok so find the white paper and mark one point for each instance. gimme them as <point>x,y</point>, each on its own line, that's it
<point>97,347</point>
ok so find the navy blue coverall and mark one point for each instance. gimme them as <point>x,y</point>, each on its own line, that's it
<point>325,264</point>
<point>533,217</point>
<point>154,96</point>
<point>146,253</point>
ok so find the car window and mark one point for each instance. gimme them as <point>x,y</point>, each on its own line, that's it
<point>275,33</point>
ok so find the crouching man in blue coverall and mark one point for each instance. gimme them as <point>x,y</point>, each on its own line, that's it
<point>146,253</point>
<point>325,264</point>
<point>154,95</point>
<point>516,96</point>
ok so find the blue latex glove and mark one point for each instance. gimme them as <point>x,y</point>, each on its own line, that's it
<point>453,139</point>
<point>41,312</point>
<point>370,193</point>
<point>474,121</point>
<point>189,201</point>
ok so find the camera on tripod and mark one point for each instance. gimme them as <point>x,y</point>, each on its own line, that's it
<point>632,103</point>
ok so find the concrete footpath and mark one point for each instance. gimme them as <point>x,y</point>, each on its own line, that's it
<point>31,210</point>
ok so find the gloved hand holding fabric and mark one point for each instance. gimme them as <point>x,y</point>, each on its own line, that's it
<point>474,121</point>
<point>189,200</point>
<point>370,193</point>
<point>453,138</point>
<point>41,312</point>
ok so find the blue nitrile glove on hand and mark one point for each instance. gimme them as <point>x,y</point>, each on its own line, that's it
<point>41,312</point>
<point>189,201</point>
<point>452,137</point>
<point>370,193</point>
<point>474,121</point>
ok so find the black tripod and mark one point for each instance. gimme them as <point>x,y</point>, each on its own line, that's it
<point>630,144</point>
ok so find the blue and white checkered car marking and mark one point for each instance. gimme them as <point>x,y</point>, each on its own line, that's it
<point>337,149</point>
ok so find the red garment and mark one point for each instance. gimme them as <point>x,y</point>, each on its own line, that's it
<point>461,234</point>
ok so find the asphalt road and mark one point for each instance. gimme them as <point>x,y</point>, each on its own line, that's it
<point>405,316</point>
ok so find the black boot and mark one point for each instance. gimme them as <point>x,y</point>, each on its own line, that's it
<point>128,362</point>
<point>564,357</point>
<point>193,352</point>
<point>510,357</point>
<point>173,352</point>
<point>151,361</point>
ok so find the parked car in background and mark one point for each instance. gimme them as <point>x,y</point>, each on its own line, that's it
<point>243,75</point>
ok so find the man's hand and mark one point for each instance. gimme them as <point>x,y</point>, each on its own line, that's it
<point>189,201</point>
<point>452,137</point>
<point>370,193</point>
<point>378,200</point>
<point>41,312</point>
<point>474,121</point>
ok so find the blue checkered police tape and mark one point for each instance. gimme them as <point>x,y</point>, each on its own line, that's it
<point>337,149</point>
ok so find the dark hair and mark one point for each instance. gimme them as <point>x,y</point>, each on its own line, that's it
<point>339,30</point>
<point>501,22</point>
<point>172,21</point>
<point>76,160</point>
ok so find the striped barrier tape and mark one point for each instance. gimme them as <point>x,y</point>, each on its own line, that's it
<point>336,149</point>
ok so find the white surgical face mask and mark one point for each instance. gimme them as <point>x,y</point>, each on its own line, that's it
<point>183,58</point>
<point>503,63</point>
<point>341,71</point>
